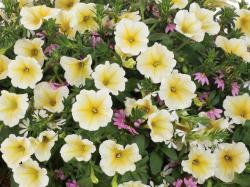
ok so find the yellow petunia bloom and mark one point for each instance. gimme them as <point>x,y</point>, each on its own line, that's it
<point>243,21</point>
<point>235,46</point>
<point>4,62</point>
<point>13,107</point>
<point>116,158</point>
<point>64,19</point>
<point>200,164</point>
<point>76,71</point>
<point>109,77</point>
<point>15,150</point>
<point>133,16</point>
<point>78,148</point>
<point>131,36</point>
<point>32,17</point>
<point>237,108</point>
<point>189,25</point>
<point>219,124</point>
<point>43,144</point>
<point>179,4</point>
<point>50,98</point>
<point>30,174</point>
<point>84,19</point>
<point>92,109</point>
<point>66,4</point>
<point>133,184</point>
<point>156,62</point>
<point>230,159</point>
<point>160,126</point>
<point>25,3</point>
<point>30,48</point>
<point>24,72</point>
<point>177,90</point>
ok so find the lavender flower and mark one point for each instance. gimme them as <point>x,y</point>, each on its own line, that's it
<point>201,78</point>
<point>235,88</point>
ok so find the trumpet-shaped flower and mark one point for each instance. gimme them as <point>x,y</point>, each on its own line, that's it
<point>50,98</point>
<point>179,4</point>
<point>134,16</point>
<point>30,174</point>
<point>64,19</point>
<point>200,164</point>
<point>230,159</point>
<point>15,150</point>
<point>160,126</point>
<point>92,109</point>
<point>109,77</point>
<point>76,71</point>
<point>133,184</point>
<point>78,148</point>
<point>237,108</point>
<point>131,36</point>
<point>4,62</point>
<point>24,72</point>
<point>243,21</point>
<point>13,107</point>
<point>66,4</point>
<point>116,158</point>
<point>189,25</point>
<point>177,90</point>
<point>156,62</point>
<point>25,3</point>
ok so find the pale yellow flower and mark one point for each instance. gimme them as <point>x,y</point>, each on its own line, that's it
<point>134,16</point>
<point>109,77</point>
<point>131,36</point>
<point>219,124</point>
<point>50,98</point>
<point>66,4</point>
<point>78,148</point>
<point>24,72</point>
<point>84,19</point>
<point>4,62</point>
<point>177,90</point>
<point>243,21</point>
<point>189,25</point>
<point>76,71</point>
<point>15,150</point>
<point>116,158</point>
<point>160,126</point>
<point>92,109</point>
<point>237,108</point>
<point>25,3</point>
<point>133,184</point>
<point>32,17</point>
<point>30,48</point>
<point>156,62</point>
<point>179,4</point>
<point>29,174</point>
<point>200,164</point>
<point>230,159</point>
<point>13,107</point>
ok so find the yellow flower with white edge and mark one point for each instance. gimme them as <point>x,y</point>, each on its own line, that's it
<point>156,62</point>
<point>235,46</point>
<point>189,25</point>
<point>43,144</point>
<point>160,126</point>
<point>237,108</point>
<point>76,71</point>
<point>4,62</point>
<point>230,159</point>
<point>92,109</point>
<point>30,48</point>
<point>179,4</point>
<point>109,77</point>
<point>24,72</point>
<point>219,124</point>
<point>32,17</point>
<point>85,15</point>
<point>206,18</point>
<point>116,158</point>
<point>200,164</point>
<point>64,19</point>
<point>131,37</point>
<point>13,107</point>
<point>133,184</point>
<point>177,90</point>
<point>50,98</point>
<point>66,4</point>
<point>15,150</point>
<point>78,148</point>
<point>242,22</point>
<point>134,16</point>
<point>25,3</point>
<point>30,174</point>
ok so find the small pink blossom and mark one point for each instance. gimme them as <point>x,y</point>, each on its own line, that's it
<point>178,183</point>
<point>50,49</point>
<point>204,96</point>
<point>220,83</point>
<point>59,174</point>
<point>138,122</point>
<point>55,85</point>
<point>41,35</point>
<point>201,78</point>
<point>71,183</point>
<point>190,182</point>
<point>170,28</point>
<point>95,39</point>
<point>235,88</point>
<point>214,113</point>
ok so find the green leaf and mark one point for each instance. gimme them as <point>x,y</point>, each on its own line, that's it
<point>171,153</point>
<point>242,180</point>
<point>155,162</point>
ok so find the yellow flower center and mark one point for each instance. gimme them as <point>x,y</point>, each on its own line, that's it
<point>156,63</point>
<point>131,40</point>
<point>20,148</point>
<point>244,21</point>
<point>105,82</point>
<point>85,18</point>
<point>26,70</point>
<point>69,4</point>
<point>196,162</point>
<point>172,89</point>
<point>34,52</point>
<point>118,155</point>
<point>52,102</point>
<point>228,158</point>
<point>13,105</point>
<point>45,140</point>
<point>94,110</point>
<point>2,68</point>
